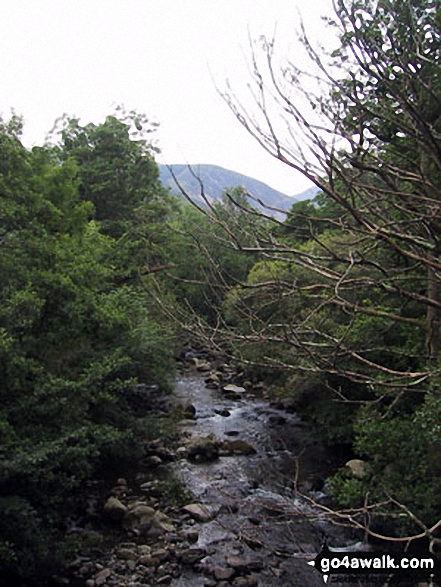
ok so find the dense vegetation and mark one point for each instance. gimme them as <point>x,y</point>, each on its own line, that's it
<point>338,306</point>
<point>81,222</point>
<point>341,304</point>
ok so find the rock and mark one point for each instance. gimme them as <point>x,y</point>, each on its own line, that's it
<point>246,582</point>
<point>191,556</point>
<point>153,461</point>
<point>235,447</point>
<point>203,450</point>
<point>199,512</point>
<point>212,378</point>
<point>126,554</point>
<point>114,509</point>
<point>224,413</point>
<point>231,433</point>
<point>222,574</point>
<point>152,488</point>
<point>148,560</point>
<point>102,577</point>
<point>230,388</point>
<point>161,524</point>
<point>204,367</point>
<point>237,562</point>
<point>139,516</point>
<point>188,411</point>
<point>161,554</point>
<point>200,364</point>
<point>192,536</point>
<point>212,381</point>
<point>357,467</point>
<point>276,420</point>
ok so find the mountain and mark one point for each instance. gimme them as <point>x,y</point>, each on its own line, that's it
<point>216,179</point>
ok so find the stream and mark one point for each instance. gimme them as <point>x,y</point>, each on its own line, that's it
<point>257,525</point>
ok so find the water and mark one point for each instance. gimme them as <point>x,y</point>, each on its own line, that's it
<point>260,517</point>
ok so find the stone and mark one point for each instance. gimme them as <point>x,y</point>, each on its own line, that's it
<point>223,413</point>
<point>115,509</point>
<point>237,562</point>
<point>223,574</point>
<point>139,516</point>
<point>230,388</point>
<point>102,577</point>
<point>161,524</point>
<point>213,377</point>
<point>212,381</point>
<point>191,556</point>
<point>192,536</point>
<point>153,461</point>
<point>357,467</point>
<point>237,447</point>
<point>203,366</point>
<point>199,512</point>
<point>152,488</point>
<point>246,582</point>
<point>126,554</point>
<point>161,554</point>
<point>148,560</point>
<point>203,450</point>
<point>188,411</point>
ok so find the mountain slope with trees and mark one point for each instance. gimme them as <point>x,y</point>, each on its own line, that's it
<point>215,180</point>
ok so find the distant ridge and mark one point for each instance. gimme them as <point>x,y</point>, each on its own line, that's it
<point>216,179</point>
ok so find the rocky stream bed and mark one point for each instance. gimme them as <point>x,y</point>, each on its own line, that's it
<point>236,472</point>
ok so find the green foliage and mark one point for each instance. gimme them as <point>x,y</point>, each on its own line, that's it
<point>404,467</point>
<point>206,262</point>
<point>77,326</point>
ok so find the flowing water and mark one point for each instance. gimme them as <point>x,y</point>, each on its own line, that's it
<point>258,517</point>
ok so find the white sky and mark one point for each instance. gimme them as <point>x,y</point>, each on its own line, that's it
<point>158,57</point>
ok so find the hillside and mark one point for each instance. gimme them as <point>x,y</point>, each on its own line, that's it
<point>216,179</point>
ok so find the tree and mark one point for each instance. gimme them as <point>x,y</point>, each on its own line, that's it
<point>117,170</point>
<point>77,328</point>
<point>374,137</point>
<point>358,303</point>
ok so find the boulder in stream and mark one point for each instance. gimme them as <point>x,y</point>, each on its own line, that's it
<point>203,450</point>
<point>233,389</point>
<point>237,447</point>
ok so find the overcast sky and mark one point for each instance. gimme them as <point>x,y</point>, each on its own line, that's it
<point>158,57</point>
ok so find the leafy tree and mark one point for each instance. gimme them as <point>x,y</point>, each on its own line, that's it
<point>76,329</point>
<point>205,266</point>
<point>361,289</point>
<point>117,170</point>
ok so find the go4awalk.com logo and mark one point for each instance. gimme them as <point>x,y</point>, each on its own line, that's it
<point>366,564</point>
